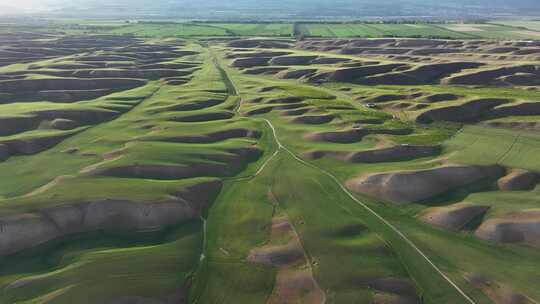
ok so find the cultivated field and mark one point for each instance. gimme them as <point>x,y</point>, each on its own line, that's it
<point>497,30</point>
<point>494,31</point>
<point>525,24</point>
<point>374,30</point>
<point>149,168</point>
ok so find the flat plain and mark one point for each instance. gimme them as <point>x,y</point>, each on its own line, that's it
<point>501,30</point>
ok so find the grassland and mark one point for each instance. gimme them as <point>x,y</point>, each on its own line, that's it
<point>227,171</point>
<point>73,271</point>
<point>456,146</point>
<point>480,145</point>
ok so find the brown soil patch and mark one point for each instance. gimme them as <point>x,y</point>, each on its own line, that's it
<point>390,154</point>
<point>264,70</point>
<point>530,125</point>
<point>86,116</point>
<point>204,117</point>
<point>278,256</point>
<point>372,42</point>
<point>191,106</point>
<point>384,298</point>
<point>17,124</point>
<point>385,98</point>
<point>214,137</point>
<point>24,231</point>
<point>329,60</point>
<point>295,74</point>
<point>527,51</point>
<point>260,43</point>
<point>314,119</point>
<point>498,292</point>
<point>296,286</point>
<point>441,97</point>
<point>418,43</point>
<point>243,54</point>
<point>295,282</point>
<point>521,79</point>
<point>370,121</point>
<point>292,60</point>
<point>501,50</point>
<point>519,227</point>
<point>434,51</point>
<point>297,112</point>
<point>352,74</point>
<point>55,84</point>
<point>218,165</point>
<point>64,124</point>
<point>468,112</point>
<point>486,77</point>
<point>30,146</point>
<point>417,186</point>
<point>258,111</point>
<point>425,74</point>
<point>396,153</point>
<point>453,217</point>
<point>250,62</point>
<point>419,106</point>
<point>343,137</point>
<point>356,135</point>
<point>521,109</point>
<point>518,180</point>
<point>291,106</point>
<point>290,99</point>
<point>151,74</point>
<point>4,152</point>
<point>280,227</point>
<point>402,287</point>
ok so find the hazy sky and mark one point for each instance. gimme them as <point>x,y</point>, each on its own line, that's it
<point>25,4</point>
<point>443,8</point>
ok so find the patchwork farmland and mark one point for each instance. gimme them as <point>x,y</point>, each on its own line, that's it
<point>510,30</point>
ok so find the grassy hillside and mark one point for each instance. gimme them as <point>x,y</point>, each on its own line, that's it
<point>146,164</point>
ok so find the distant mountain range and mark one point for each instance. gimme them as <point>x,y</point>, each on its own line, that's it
<point>285,9</point>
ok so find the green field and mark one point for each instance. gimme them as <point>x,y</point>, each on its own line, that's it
<point>448,31</point>
<point>527,24</point>
<point>173,29</point>
<point>256,29</point>
<point>374,30</point>
<point>169,30</point>
<point>493,31</point>
<point>179,163</point>
<point>504,30</point>
<point>417,30</point>
<point>479,145</point>
<point>339,30</point>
